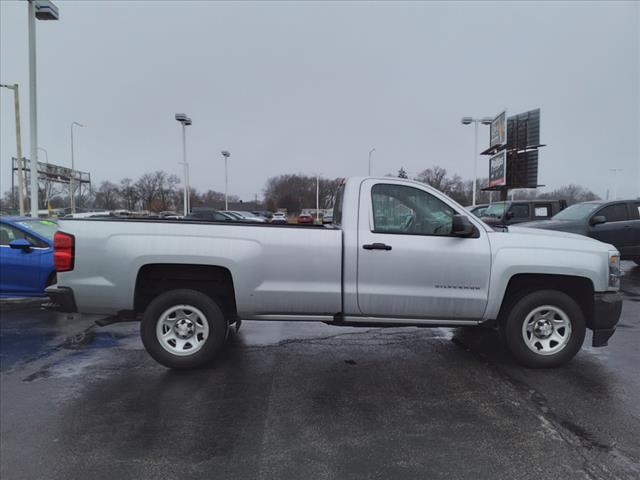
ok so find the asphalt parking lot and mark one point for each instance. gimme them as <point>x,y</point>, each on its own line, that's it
<point>313,401</point>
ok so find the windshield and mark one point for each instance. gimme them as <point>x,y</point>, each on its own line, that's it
<point>45,228</point>
<point>576,212</point>
<point>495,210</point>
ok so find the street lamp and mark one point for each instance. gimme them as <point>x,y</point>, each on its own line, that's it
<point>16,101</point>
<point>72,187</point>
<point>185,121</point>
<point>475,121</point>
<point>370,152</point>
<point>226,155</point>
<point>42,10</point>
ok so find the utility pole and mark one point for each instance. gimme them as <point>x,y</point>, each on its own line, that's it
<point>317,198</point>
<point>16,102</point>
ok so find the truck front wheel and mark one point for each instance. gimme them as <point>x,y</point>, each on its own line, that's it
<point>544,329</point>
<point>183,329</point>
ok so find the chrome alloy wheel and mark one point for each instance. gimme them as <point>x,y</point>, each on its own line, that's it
<point>182,330</point>
<point>546,330</point>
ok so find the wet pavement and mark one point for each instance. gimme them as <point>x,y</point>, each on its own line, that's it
<point>289,400</point>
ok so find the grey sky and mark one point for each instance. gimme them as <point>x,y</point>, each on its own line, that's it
<point>309,87</point>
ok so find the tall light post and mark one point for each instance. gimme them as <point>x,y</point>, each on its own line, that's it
<point>615,181</point>
<point>370,152</point>
<point>475,121</point>
<point>72,187</point>
<point>184,121</point>
<point>317,197</point>
<point>42,10</point>
<point>16,102</point>
<point>226,155</point>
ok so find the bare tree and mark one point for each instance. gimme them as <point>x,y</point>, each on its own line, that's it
<point>107,196</point>
<point>129,194</point>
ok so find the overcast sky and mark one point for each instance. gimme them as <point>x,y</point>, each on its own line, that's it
<point>311,87</point>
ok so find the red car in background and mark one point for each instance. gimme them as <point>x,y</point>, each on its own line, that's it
<point>305,218</point>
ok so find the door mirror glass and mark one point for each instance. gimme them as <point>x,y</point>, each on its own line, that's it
<point>20,244</point>
<point>461,226</point>
<point>598,219</point>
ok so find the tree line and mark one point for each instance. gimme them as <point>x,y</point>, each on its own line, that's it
<point>161,191</point>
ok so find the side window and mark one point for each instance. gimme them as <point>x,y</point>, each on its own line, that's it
<point>542,210</point>
<point>519,211</point>
<point>636,206</point>
<point>9,233</point>
<point>408,210</point>
<point>615,213</point>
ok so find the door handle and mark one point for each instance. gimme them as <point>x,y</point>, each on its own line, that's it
<point>376,246</point>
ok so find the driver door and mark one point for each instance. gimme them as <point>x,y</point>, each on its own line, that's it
<point>409,264</point>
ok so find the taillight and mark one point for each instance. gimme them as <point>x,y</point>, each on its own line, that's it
<point>63,251</point>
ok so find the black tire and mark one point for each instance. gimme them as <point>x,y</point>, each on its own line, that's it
<point>214,318</point>
<point>512,327</point>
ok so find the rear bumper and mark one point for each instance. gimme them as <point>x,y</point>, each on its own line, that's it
<point>62,299</point>
<point>606,313</point>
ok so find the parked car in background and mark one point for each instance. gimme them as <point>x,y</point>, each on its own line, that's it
<point>519,211</point>
<point>26,256</point>
<point>210,216</point>
<point>328,217</point>
<point>305,218</point>
<point>478,210</point>
<point>616,222</point>
<point>279,217</point>
<point>244,216</point>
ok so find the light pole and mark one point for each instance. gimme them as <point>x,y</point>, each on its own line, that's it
<point>72,187</point>
<point>184,120</point>
<point>42,10</point>
<point>370,152</point>
<point>615,181</point>
<point>317,197</point>
<point>226,155</point>
<point>16,102</point>
<point>475,121</point>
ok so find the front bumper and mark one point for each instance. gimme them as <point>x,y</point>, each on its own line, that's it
<point>606,313</point>
<point>62,299</point>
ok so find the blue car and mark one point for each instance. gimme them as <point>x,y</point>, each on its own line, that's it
<point>26,256</point>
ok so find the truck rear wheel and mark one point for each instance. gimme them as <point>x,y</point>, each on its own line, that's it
<point>183,329</point>
<point>544,329</point>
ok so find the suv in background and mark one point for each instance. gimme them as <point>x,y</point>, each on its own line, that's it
<point>519,211</point>
<point>616,222</point>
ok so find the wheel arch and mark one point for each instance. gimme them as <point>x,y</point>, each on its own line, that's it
<point>580,289</point>
<point>213,281</point>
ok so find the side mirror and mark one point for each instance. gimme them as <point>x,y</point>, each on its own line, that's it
<point>597,220</point>
<point>461,226</point>
<point>21,244</point>
<point>509,215</point>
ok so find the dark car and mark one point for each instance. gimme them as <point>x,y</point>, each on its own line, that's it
<point>616,222</point>
<point>519,211</point>
<point>209,216</point>
<point>26,256</point>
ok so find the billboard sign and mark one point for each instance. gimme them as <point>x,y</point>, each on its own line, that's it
<point>498,169</point>
<point>498,131</point>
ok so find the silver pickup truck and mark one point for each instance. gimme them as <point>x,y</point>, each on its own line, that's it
<point>398,253</point>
